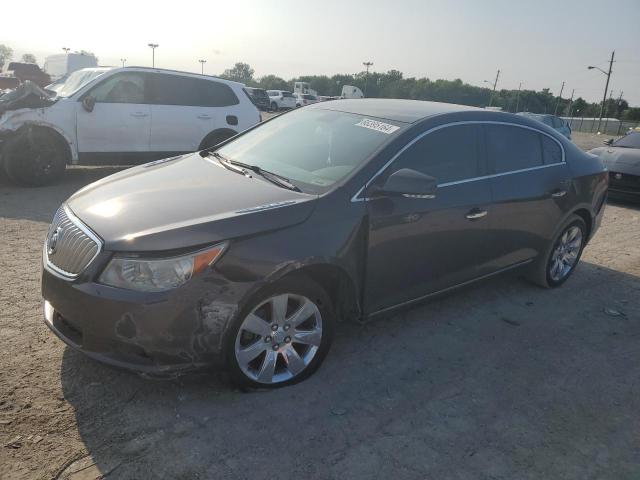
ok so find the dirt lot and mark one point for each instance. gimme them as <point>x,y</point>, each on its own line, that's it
<point>502,380</point>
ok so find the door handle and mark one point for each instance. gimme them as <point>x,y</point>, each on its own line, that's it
<point>475,214</point>
<point>204,117</point>
<point>139,114</point>
<point>558,193</point>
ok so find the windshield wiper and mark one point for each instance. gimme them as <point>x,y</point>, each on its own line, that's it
<point>242,168</point>
<point>226,163</point>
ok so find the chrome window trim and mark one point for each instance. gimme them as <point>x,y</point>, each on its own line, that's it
<point>87,231</point>
<point>356,197</point>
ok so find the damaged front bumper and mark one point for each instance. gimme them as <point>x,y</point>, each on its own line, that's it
<point>156,334</point>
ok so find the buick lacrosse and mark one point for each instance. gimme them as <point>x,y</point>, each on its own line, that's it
<point>244,256</point>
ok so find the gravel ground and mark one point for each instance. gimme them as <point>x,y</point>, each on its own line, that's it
<point>501,380</point>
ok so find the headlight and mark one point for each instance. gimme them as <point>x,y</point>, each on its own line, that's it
<point>157,275</point>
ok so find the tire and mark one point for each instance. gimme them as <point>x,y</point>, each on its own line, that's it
<point>35,157</point>
<point>545,271</point>
<point>257,354</point>
<point>274,107</point>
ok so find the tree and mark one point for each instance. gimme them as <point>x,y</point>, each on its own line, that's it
<point>273,82</point>
<point>241,72</point>
<point>6,54</point>
<point>29,58</point>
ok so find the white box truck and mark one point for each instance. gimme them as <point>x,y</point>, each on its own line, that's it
<point>61,65</point>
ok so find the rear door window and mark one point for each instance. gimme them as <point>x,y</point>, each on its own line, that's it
<point>168,89</point>
<point>511,148</point>
<point>450,154</point>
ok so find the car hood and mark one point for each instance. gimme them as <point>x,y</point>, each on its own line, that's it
<point>619,159</point>
<point>184,202</point>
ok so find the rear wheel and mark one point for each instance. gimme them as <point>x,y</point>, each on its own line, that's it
<point>282,336</point>
<point>34,157</point>
<point>561,258</point>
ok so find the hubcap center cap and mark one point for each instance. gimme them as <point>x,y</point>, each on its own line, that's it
<point>278,336</point>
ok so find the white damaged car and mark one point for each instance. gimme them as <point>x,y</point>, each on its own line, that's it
<point>116,116</point>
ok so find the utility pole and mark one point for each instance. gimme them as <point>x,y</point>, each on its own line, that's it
<point>570,103</point>
<point>366,81</point>
<point>606,122</point>
<point>606,86</point>
<point>494,88</point>
<point>518,98</point>
<point>555,112</point>
<point>202,62</point>
<point>123,60</point>
<point>153,53</point>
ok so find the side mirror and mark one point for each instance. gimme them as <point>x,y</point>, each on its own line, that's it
<point>88,103</point>
<point>410,183</point>
<point>608,141</point>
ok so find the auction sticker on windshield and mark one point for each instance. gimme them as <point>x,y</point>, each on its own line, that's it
<point>378,126</point>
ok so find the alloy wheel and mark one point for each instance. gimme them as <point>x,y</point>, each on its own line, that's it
<point>565,253</point>
<point>279,338</point>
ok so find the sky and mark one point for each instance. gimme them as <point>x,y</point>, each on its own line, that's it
<point>540,43</point>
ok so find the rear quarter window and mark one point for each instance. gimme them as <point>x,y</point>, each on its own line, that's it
<point>551,151</point>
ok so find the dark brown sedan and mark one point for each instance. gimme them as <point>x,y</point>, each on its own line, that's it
<point>245,256</point>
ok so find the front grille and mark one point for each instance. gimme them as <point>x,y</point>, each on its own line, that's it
<point>70,245</point>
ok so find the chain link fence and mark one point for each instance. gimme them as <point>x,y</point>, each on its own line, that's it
<point>610,126</point>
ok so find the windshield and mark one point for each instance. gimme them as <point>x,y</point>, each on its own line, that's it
<point>313,148</point>
<point>78,80</point>
<point>631,140</point>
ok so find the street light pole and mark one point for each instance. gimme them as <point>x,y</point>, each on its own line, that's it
<point>66,50</point>
<point>606,86</point>
<point>366,81</point>
<point>555,112</point>
<point>153,53</point>
<point>123,60</point>
<point>202,62</point>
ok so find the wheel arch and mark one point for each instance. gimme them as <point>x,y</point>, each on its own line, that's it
<point>224,132</point>
<point>334,279</point>
<point>56,133</point>
<point>585,214</point>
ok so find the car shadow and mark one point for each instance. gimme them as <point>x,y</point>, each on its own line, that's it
<point>498,378</point>
<point>40,203</point>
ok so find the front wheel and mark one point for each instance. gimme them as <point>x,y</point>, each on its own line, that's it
<point>563,255</point>
<point>274,107</point>
<point>282,336</point>
<point>34,158</point>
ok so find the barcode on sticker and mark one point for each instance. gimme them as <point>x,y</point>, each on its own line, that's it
<point>378,126</point>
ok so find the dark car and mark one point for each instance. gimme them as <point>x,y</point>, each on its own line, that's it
<point>259,97</point>
<point>247,254</point>
<point>622,159</point>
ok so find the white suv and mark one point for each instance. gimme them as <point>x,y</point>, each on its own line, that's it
<point>121,116</point>
<point>280,99</point>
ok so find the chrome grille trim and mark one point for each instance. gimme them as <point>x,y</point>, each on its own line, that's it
<point>77,246</point>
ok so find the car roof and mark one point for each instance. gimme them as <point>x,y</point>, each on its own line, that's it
<point>179,72</point>
<point>409,111</point>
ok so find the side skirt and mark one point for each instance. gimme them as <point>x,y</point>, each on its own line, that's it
<point>408,303</point>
